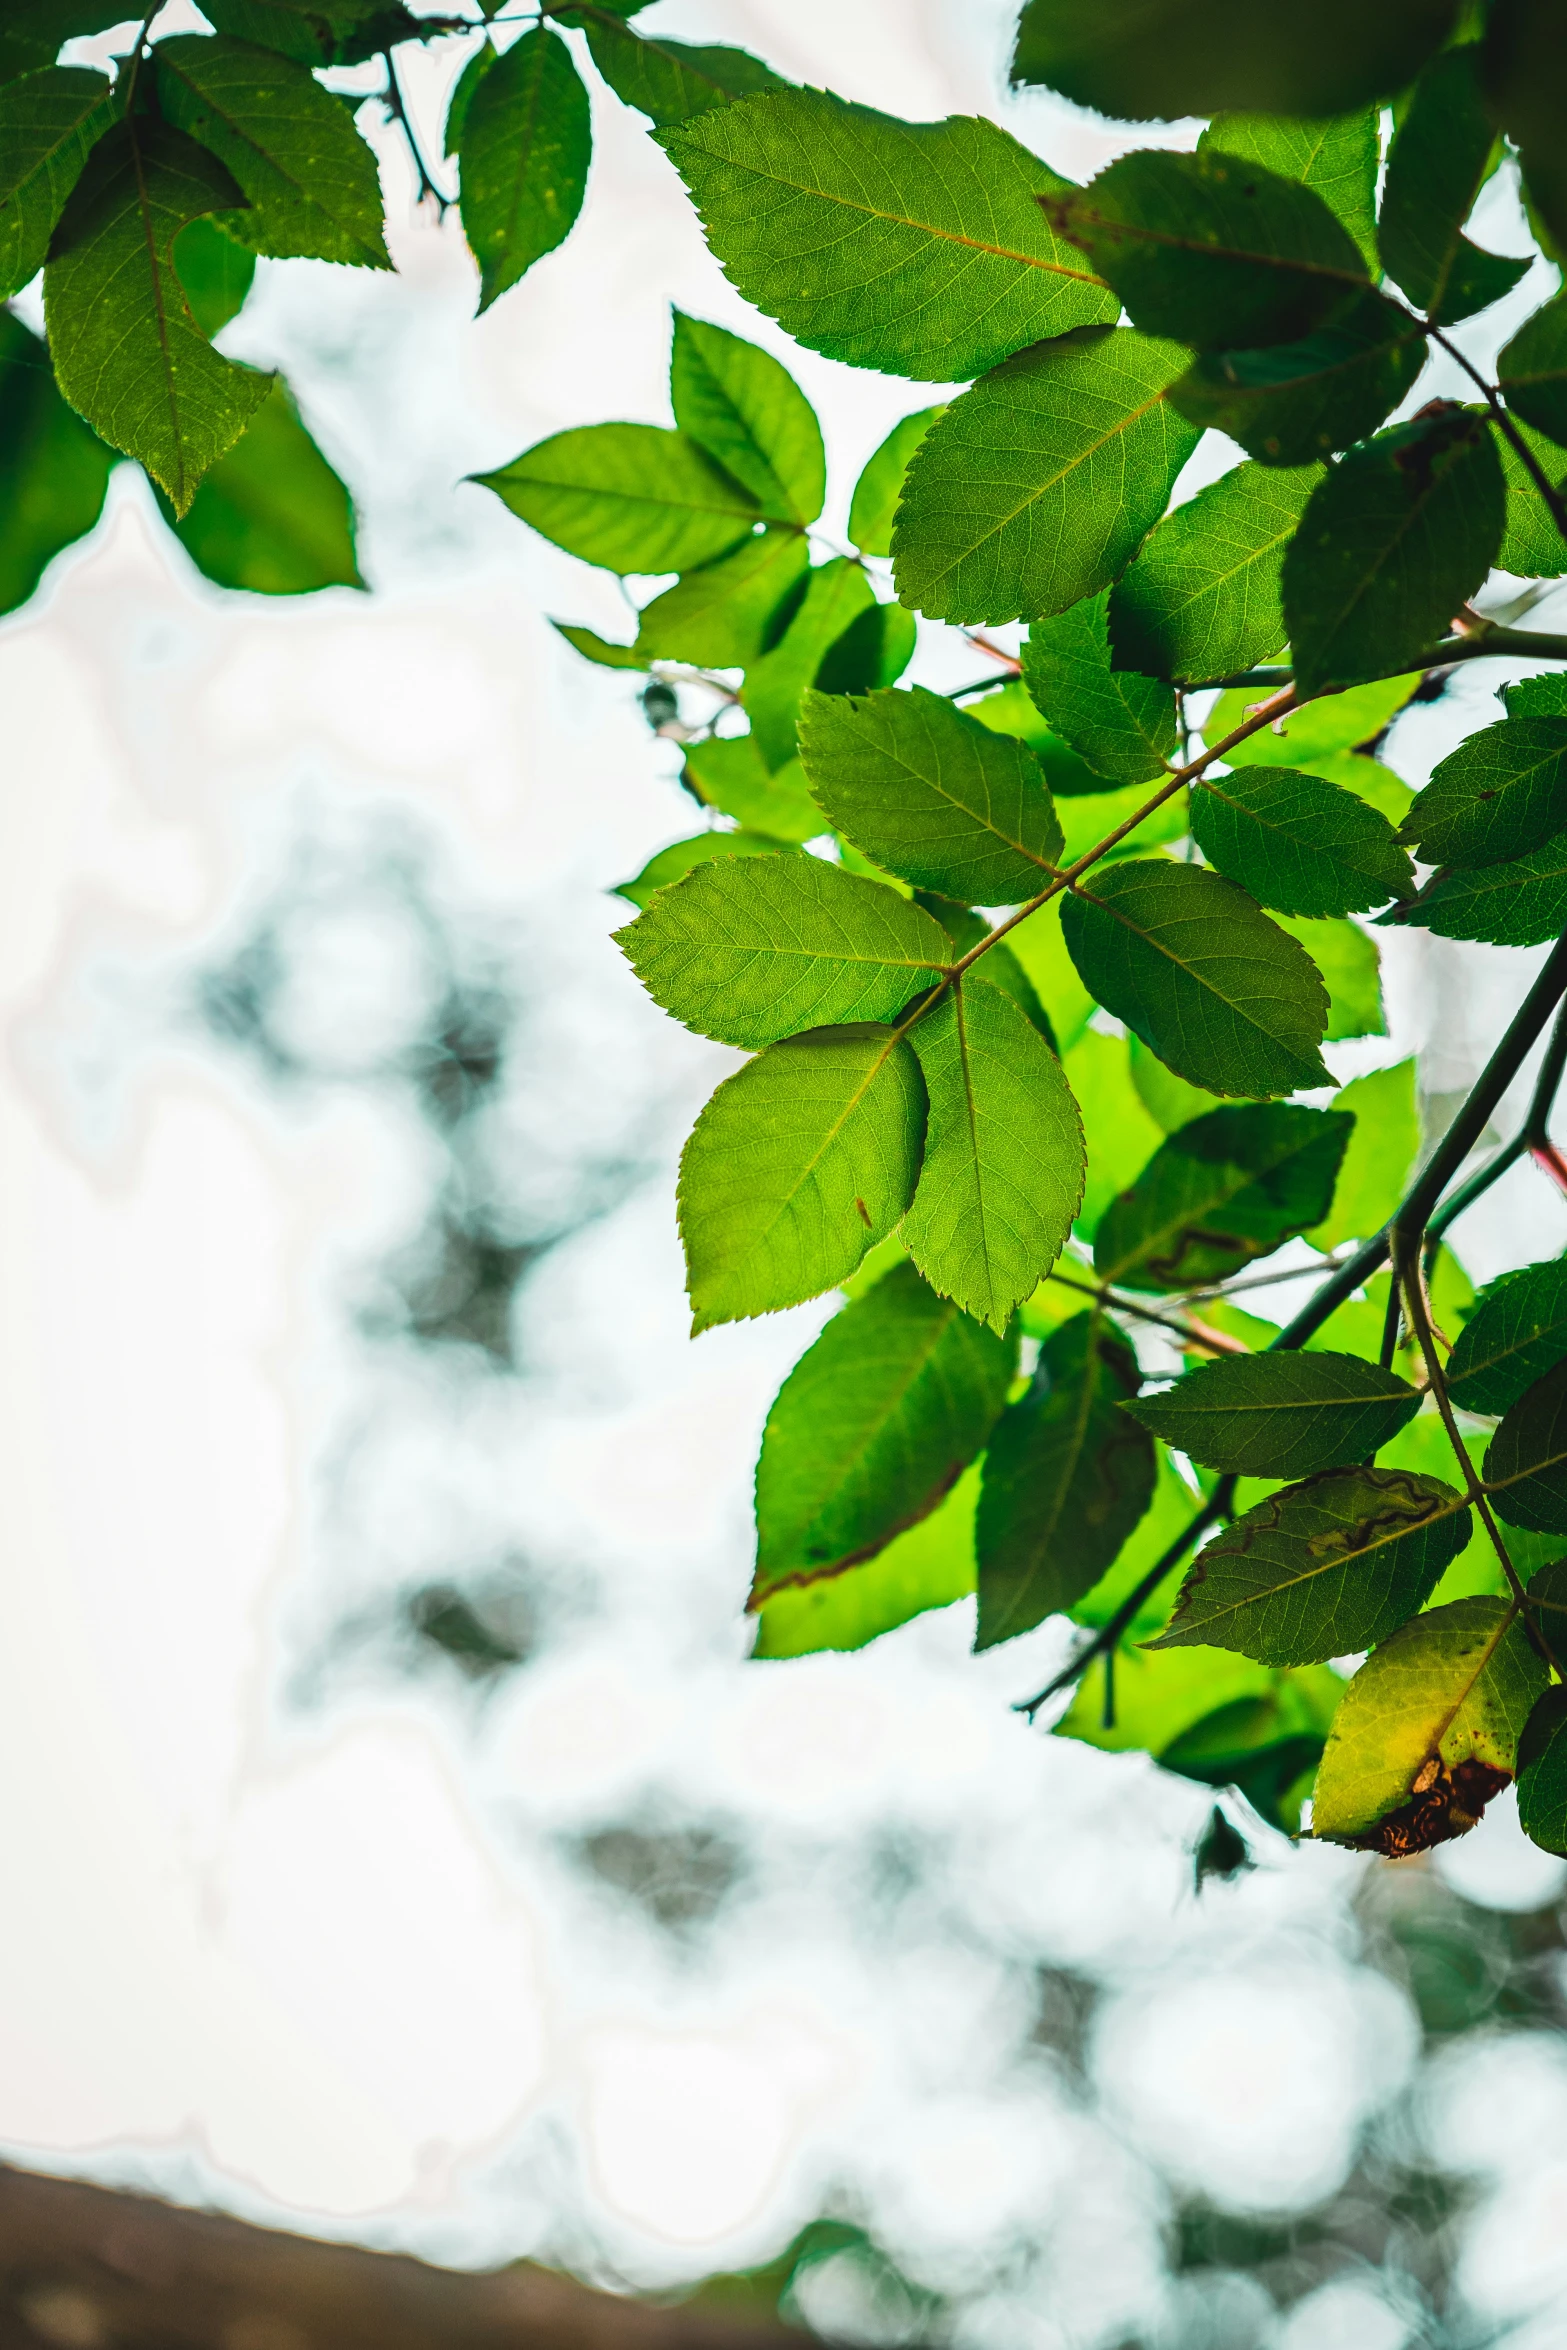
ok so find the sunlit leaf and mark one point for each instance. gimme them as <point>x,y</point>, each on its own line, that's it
<point>1121,725</point>
<point>747,411</point>
<point>1200,600</point>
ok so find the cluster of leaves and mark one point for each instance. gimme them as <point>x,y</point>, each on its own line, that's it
<point>1028,971</point>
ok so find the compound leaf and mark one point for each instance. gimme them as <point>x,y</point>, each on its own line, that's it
<point>918,248</point>
<point>1516,1333</point>
<point>748,950</point>
<point>880,486</point>
<point>871,1429</point>
<point>1526,1460</point>
<point>1003,1172</point>
<point>48,124</point>
<point>526,144</point>
<point>632,497</point>
<point>1297,842</point>
<point>1224,1190</point>
<point>1281,1415</point>
<point>1122,726</point>
<point>1200,600</point>
<point>1067,1477</point>
<point>748,412</point>
<point>272,516</point>
<point>932,795</point>
<point>800,1162</point>
<point>1038,484</point>
<point>1436,167</point>
<point>53,469</point>
<point>1187,960</point>
<point>1500,794</point>
<point>1289,403</point>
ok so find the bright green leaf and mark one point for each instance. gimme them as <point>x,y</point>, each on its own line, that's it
<point>724,615</point>
<point>932,1565</point>
<point>632,497</point>
<point>1121,725</point>
<point>1119,1132</point>
<point>1532,547</point>
<point>1223,1191</point>
<point>836,594</point>
<point>1297,843</point>
<point>1436,167</point>
<point>1010,709</point>
<point>880,486</point>
<point>683,856</point>
<point>53,469</point>
<point>1040,947</point>
<point>1337,157</point>
<point>749,413</point>
<point>1170,1102</point>
<point>1380,1159</point>
<point>48,124</point>
<point>1281,1415</point>
<point>1306,737</point>
<point>731,775</point>
<point>272,516</point>
<point>1532,370</point>
<point>1349,967</point>
<point>1201,598</point>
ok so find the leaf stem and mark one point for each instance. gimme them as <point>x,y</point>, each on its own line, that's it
<point>397,111</point>
<point>1214,1342</point>
<point>1533,1137</point>
<point>1408,1277</point>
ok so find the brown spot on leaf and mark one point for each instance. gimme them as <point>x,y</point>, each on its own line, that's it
<point>1444,1804</point>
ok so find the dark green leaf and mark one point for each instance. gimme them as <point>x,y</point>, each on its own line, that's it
<point>872,653</point>
<point>1212,248</point>
<point>1521,71</point>
<point>1542,1772</point>
<point>1526,1460</point>
<point>48,123</point>
<point>931,794</point>
<point>836,595</point>
<point>1517,1332</point>
<point>1281,1415</point>
<point>880,486</point>
<point>1289,403</point>
<point>1158,59</point>
<point>1500,794</point>
<point>1428,1729</point>
<point>1517,905</point>
<point>1066,1479</point>
<point>1346,958</point>
<point>1380,1159</point>
<point>33,32</point>
<point>326,32</point>
<point>632,497</point>
<point>1298,843</point>
<point>724,615</point>
<point>1326,1567</point>
<point>1532,546</point>
<point>1262,1747</point>
<point>1201,598</point>
<point>461,98</point>
<point>919,248</point>
<point>1532,370</point>
<point>800,1162</point>
<point>684,856</point>
<point>272,516</point>
<point>749,413</point>
<point>730,773</point>
<point>1337,157</point>
<point>1003,1170</point>
<point>526,144</point>
<point>1400,534</point>
<point>871,1428</point>
<point>53,470</point>
<point>1038,485</point>
<point>309,179</point>
<point>127,353</point>
<point>1436,167</point>
<point>215,272</point>
<point>750,950</point>
<point>1186,959</point>
<point>1122,726</point>
<point>671,80</point>
<point>1544,696</point>
<point>1229,1188</point>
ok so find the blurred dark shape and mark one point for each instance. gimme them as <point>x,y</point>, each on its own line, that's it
<point>483,1635</point>
<point>234,999</point>
<point>1221,1851</point>
<point>465,1057</point>
<point>455,1283</point>
<point>1064,2019</point>
<point>835,2280</point>
<point>1463,1966</point>
<point>660,705</point>
<point>1390,2221</point>
<point>681,1875</point>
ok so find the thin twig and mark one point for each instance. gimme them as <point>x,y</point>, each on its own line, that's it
<point>1408,1277</point>
<point>1507,426</point>
<point>1195,1333</point>
<point>397,111</point>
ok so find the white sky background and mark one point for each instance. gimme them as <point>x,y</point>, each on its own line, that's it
<point>300,1937</point>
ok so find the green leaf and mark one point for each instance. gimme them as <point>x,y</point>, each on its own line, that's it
<point>1428,1729</point>
<point>1229,1188</point>
<point>1289,403</point>
<point>1307,737</point>
<point>836,594</point>
<point>1281,1415</point>
<point>1122,726</point>
<point>1010,709</point>
<point>671,80</point>
<point>1145,60</point>
<point>215,271</point>
<point>33,32</point>
<point>1038,484</point>
<point>1532,370</point>
<point>1381,1156</point>
<point>1040,948</point>
<point>49,122</point>
<point>724,615</point>
<point>526,144</point>
<point>1266,1746</point>
<point>1349,967</point>
<point>872,653</point>
<point>1544,696</point>
<point>1328,1566</point>
<point>1400,534</point>
<point>1119,1132</point>
<point>1003,1170</point>
<point>1168,1099</point>
<point>127,353</point>
<point>1298,843</point>
<point>1186,959</point>
<point>730,774</point>
<point>1201,598</point>
<point>684,856</point>
<point>325,32</point>
<point>1532,546</point>
<point>310,181</point>
<point>800,1162</point>
<point>1526,1460</point>
<point>748,951</point>
<point>871,1429</point>
<point>1337,157</point>
<point>749,413</point>
<point>461,99</point>
<point>1517,905</point>
<point>880,486</point>
<point>1212,248</point>
<point>918,248</point>
<point>53,470</point>
<point>632,497</point>
<point>1065,1481</point>
<point>932,795</point>
<point>930,1566</point>
<point>966,929</point>
<point>272,516</point>
<point>1542,1772</point>
<point>1500,794</point>
<point>1436,166</point>
<point>601,650</point>
<point>1516,1334</point>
